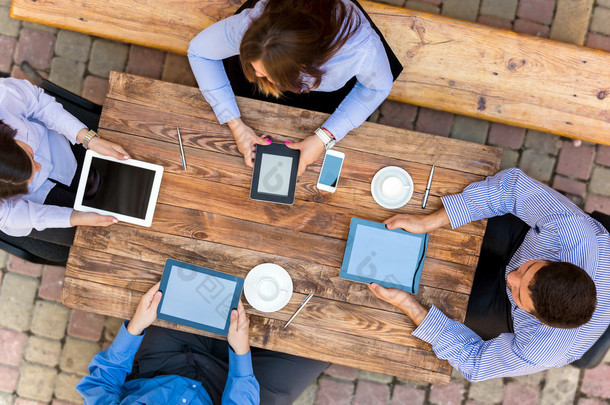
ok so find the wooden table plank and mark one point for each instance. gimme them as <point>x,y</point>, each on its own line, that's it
<point>300,340</point>
<point>204,216</point>
<point>451,65</point>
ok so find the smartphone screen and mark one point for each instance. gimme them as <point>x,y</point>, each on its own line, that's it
<point>329,175</point>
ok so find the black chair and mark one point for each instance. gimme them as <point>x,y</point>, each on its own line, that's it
<point>596,353</point>
<point>89,114</point>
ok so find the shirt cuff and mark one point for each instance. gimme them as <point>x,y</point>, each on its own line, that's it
<point>53,216</point>
<point>338,125</point>
<point>432,327</point>
<point>125,345</point>
<point>457,210</point>
<point>223,103</point>
<point>240,365</point>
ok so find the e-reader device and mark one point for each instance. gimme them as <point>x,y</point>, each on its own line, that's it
<point>274,177</point>
<point>198,297</point>
<point>392,258</point>
<point>127,190</point>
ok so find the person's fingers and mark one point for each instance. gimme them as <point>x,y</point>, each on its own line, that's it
<point>248,160</point>
<point>302,168</point>
<point>259,140</point>
<point>390,221</point>
<point>234,320</point>
<point>293,145</point>
<point>123,153</point>
<point>156,299</point>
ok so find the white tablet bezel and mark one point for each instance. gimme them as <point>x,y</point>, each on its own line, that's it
<point>154,193</point>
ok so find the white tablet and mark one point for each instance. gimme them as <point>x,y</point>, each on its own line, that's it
<point>128,189</point>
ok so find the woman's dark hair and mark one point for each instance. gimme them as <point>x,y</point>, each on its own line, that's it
<point>15,165</point>
<point>291,37</point>
<point>564,295</point>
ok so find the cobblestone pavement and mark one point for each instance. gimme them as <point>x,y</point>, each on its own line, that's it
<point>45,347</point>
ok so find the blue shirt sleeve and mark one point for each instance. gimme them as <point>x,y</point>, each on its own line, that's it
<point>108,370</point>
<point>374,83</point>
<point>242,387</point>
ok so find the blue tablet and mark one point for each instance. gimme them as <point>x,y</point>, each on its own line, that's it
<point>392,258</point>
<point>198,297</point>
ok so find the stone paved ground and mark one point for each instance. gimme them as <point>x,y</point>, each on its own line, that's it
<point>45,347</point>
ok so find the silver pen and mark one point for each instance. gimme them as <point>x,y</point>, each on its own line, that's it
<point>305,301</point>
<point>181,149</point>
<point>427,193</point>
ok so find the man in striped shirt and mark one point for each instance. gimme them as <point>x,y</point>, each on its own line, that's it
<point>556,315</point>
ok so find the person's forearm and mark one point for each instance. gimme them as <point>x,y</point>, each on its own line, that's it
<point>436,220</point>
<point>413,309</point>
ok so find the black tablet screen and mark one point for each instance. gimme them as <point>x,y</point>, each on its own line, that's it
<point>123,188</point>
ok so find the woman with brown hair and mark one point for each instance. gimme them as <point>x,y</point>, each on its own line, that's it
<point>322,55</point>
<point>41,158</point>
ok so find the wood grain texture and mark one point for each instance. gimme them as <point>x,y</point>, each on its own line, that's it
<point>450,65</point>
<point>204,216</point>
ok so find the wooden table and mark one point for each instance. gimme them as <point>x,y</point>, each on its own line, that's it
<point>204,216</point>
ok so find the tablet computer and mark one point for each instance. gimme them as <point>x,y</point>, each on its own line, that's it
<point>198,297</point>
<point>128,189</point>
<point>392,258</point>
<point>274,177</point>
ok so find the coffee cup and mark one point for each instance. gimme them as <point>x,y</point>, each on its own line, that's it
<point>268,289</point>
<point>392,187</point>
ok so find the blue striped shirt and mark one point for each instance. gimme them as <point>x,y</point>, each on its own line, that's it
<point>560,232</point>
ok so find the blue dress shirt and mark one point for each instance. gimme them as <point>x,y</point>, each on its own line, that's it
<point>106,383</point>
<point>363,56</point>
<point>560,232</point>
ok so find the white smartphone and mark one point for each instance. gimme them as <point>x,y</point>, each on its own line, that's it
<point>331,168</point>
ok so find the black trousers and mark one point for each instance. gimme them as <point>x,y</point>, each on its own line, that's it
<point>489,310</point>
<point>326,102</point>
<point>282,377</point>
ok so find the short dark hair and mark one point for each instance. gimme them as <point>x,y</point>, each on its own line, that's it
<point>564,295</point>
<point>15,165</point>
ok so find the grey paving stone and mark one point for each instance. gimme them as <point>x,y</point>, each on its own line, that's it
<point>422,6</point>
<point>601,20</point>
<point>50,319</point>
<point>73,45</point>
<point>36,382</point>
<point>111,327</point>
<point>8,26</point>
<point>537,165</point>
<point>40,27</point>
<point>543,142</point>
<point>17,300</point>
<point>463,9</point>
<point>307,397</point>
<point>510,158</point>
<point>65,387</point>
<point>487,392</point>
<point>3,259</point>
<point>600,181</point>
<point>505,9</point>
<point>77,355</point>
<point>398,3</point>
<point>106,56</point>
<point>6,398</point>
<point>43,351</point>
<point>532,380</point>
<point>603,3</point>
<point>377,377</point>
<point>5,3</point>
<point>571,21</point>
<point>560,386</point>
<point>470,129</point>
<point>67,73</point>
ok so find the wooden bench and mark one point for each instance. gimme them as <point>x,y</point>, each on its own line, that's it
<point>450,65</point>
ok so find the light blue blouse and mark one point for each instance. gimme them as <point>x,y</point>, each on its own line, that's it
<point>363,56</point>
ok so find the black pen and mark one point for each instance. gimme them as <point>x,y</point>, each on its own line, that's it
<point>427,193</point>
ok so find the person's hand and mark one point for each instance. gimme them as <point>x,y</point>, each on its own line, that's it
<point>311,147</point>
<point>107,148</point>
<point>91,219</point>
<point>238,330</point>
<point>146,313</point>
<point>418,223</point>
<point>246,140</point>
<point>402,300</point>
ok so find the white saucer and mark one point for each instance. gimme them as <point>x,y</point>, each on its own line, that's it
<point>274,274</point>
<point>402,198</point>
